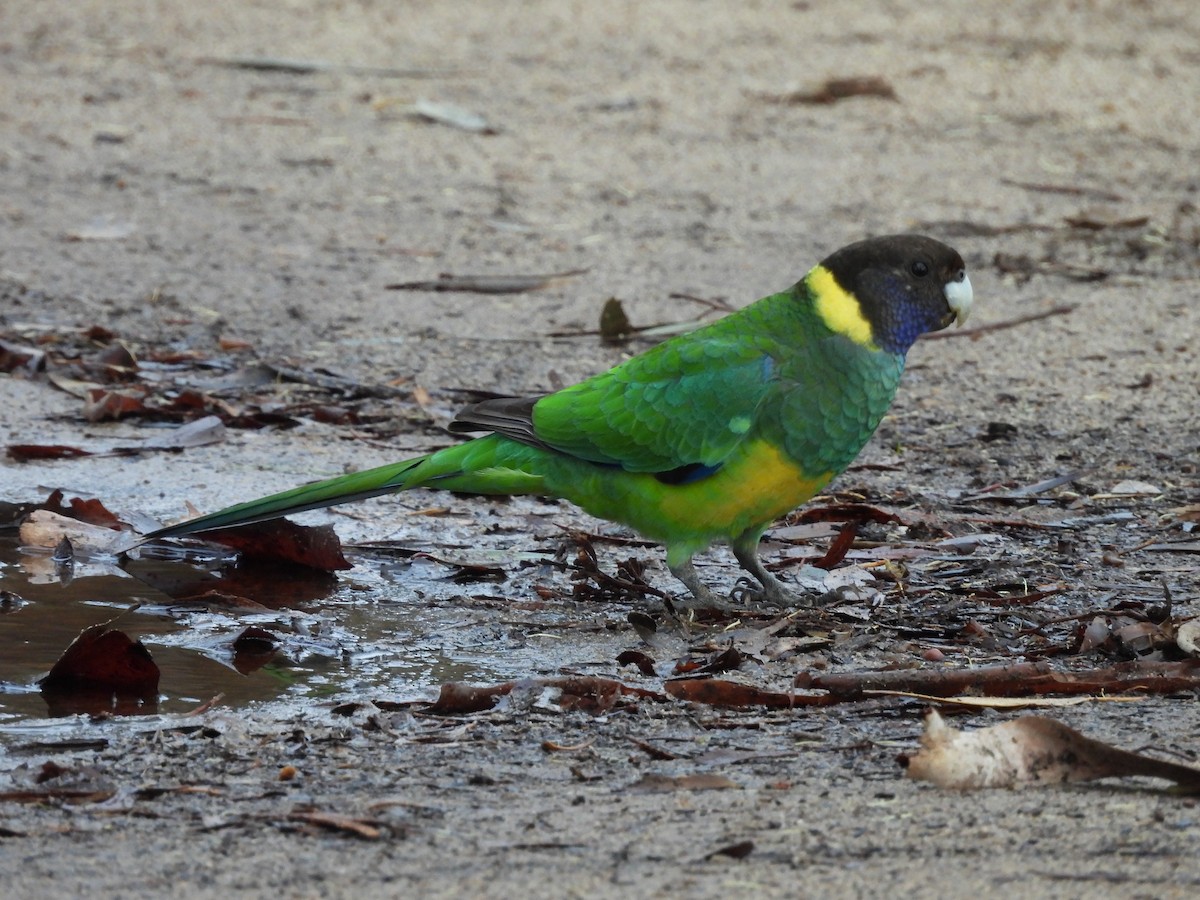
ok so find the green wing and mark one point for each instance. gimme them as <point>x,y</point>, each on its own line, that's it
<point>687,402</point>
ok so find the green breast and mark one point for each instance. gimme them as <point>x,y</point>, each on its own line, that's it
<point>832,394</point>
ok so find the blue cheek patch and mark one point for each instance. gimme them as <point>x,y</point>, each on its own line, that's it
<point>905,319</point>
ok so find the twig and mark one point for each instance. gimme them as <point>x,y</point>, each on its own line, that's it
<point>1017,679</point>
<point>1060,310</point>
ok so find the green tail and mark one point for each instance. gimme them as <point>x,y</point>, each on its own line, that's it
<point>490,465</point>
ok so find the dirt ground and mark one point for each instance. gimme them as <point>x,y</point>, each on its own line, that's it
<point>153,187</point>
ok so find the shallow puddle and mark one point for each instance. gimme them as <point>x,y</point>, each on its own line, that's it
<point>375,630</point>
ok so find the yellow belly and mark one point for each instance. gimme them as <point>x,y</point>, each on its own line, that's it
<point>752,490</point>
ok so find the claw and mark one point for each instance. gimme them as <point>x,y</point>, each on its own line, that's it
<point>773,593</point>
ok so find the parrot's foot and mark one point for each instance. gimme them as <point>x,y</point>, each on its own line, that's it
<point>772,592</point>
<point>703,596</point>
<point>769,588</point>
<point>766,589</point>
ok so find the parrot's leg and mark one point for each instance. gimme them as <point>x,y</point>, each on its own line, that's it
<point>701,593</point>
<point>773,591</point>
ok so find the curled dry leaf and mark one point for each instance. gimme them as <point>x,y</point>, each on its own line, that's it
<point>92,511</point>
<point>46,529</point>
<point>14,357</point>
<point>103,404</point>
<point>1028,750</point>
<point>643,661</point>
<point>1187,636</point>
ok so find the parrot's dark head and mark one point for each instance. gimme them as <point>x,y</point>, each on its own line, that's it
<point>888,291</point>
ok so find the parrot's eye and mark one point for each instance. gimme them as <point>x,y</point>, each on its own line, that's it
<point>919,268</point>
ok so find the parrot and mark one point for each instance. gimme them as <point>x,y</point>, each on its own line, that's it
<point>706,438</point>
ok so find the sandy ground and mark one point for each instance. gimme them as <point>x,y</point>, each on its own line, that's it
<point>647,144</point>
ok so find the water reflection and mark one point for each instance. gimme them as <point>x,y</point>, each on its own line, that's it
<point>255,633</point>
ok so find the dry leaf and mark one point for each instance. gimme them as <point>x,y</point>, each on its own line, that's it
<point>198,433</point>
<point>1187,636</point>
<point>102,671</point>
<point>282,540</point>
<point>1029,750</point>
<point>43,528</point>
<point>452,115</point>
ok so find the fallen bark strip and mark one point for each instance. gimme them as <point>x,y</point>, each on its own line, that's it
<point>1017,679</point>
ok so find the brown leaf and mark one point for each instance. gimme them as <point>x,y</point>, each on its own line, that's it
<point>740,850</point>
<point>643,661</point>
<point>834,89</point>
<point>107,660</point>
<point>588,693</point>
<point>17,356</point>
<point>91,511</point>
<point>839,547</point>
<point>29,452</point>
<point>652,751</point>
<point>456,698</point>
<point>727,660</point>
<point>280,540</point>
<point>614,323</point>
<point>114,363</point>
<point>103,404</point>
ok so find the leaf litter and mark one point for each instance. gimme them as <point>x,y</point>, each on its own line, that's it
<point>882,565</point>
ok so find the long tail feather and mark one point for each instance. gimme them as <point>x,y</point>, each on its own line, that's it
<point>342,489</point>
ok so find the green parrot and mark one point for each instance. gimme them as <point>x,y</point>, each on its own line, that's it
<point>708,437</point>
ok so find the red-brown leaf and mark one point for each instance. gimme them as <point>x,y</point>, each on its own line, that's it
<point>108,659</point>
<point>315,546</point>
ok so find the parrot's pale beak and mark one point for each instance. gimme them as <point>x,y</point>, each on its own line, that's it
<point>960,297</point>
